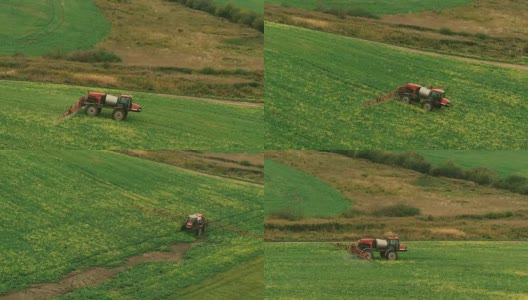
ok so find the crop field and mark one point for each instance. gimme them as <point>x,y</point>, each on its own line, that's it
<point>32,27</point>
<point>254,5</point>
<point>504,162</point>
<point>73,210</point>
<point>445,270</point>
<point>314,94</point>
<point>376,7</point>
<point>29,121</point>
<point>299,192</point>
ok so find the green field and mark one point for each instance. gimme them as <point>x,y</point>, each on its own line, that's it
<point>442,270</point>
<point>317,82</point>
<point>377,6</point>
<point>33,27</point>
<point>71,210</point>
<point>299,192</point>
<point>254,5</point>
<point>503,162</point>
<point>29,121</point>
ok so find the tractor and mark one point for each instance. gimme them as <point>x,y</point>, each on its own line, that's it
<point>428,98</point>
<point>121,105</point>
<point>388,248</point>
<point>195,223</point>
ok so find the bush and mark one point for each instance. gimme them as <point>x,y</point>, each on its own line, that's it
<point>414,161</point>
<point>446,31</point>
<point>481,175</point>
<point>448,169</point>
<point>397,210</point>
<point>287,214</point>
<point>514,183</point>
<point>94,56</point>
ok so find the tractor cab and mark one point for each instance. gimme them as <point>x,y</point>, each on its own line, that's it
<point>394,243</point>
<point>195,222</point>
<point>128,104</point>
<point>438,96</point>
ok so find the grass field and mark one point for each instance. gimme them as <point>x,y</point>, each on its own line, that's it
<point>443,270</point>
<point>30,122</point>
<point>254,5</point>
<point>111,206</point>
<point>299,193</point>
<point>503,162</point>
<point>315,92</point>
<point>376,7</point>
<point>33,27</point>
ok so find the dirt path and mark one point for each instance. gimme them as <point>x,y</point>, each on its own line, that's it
<point>210,100</point>
<point>94,276</point>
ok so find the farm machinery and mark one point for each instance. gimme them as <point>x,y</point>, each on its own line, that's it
<point>94,102</point>
<point>428,97</point>
<point>388,248</point>
<point>195,223</point>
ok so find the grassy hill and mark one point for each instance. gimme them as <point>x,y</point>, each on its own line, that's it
<point>72,210</point>
<point>317,82</point>
<point>503,162</point>
<point>444,270</point>
<point>447,208</point>
<point>299,194</point>
<point>376,7</point>
<point>165,122</point>
<point>31,27</point>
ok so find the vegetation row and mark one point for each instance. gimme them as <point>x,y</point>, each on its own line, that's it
<point>415,161</point>
<point>227,11</point>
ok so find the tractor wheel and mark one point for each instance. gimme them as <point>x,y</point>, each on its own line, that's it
<point>119,114</point>
<point>369,254</point>
<point>92,110</point>
<point>406,99</point>
<point>391,255</point>
<point>427,105</point>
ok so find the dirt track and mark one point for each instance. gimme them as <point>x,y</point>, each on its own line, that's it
<point>93,276</point>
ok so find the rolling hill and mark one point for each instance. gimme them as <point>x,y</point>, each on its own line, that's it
<point>78,210</point>
<point>30,27</point>
<point>317,82</point>
<point>297,193</point>
<point>165,122</point>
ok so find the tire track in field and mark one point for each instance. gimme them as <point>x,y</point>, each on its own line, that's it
<point>95,275</point>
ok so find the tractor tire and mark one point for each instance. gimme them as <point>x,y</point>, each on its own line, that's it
<point>391,255</point>
<point>427,105</point>
<point>92,110</point>
<point>119,114</point>
<point>406,99</point>
<point>369,254</point>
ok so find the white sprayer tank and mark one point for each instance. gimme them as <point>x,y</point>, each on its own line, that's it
<point>424,92</point>
<point>381,244</point>
<point>111,100</point>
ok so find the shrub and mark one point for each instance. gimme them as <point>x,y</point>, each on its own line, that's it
<point>397,210</point>
<point>446,31</point>
<point>514,183</point>
<point>481,175</point>
<point>448,169</point>
<point>94,56</point>
<point>414,161</point>
<point>287,214</point>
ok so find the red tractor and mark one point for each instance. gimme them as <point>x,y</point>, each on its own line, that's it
<point>388,248</point>
<point>195,223</point>
<point>429,98</point>
<point>121,105</point>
